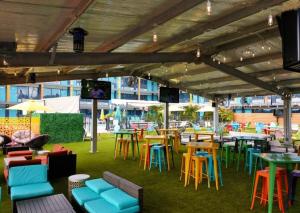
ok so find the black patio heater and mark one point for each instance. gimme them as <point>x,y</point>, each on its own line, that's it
<point>78,39</point>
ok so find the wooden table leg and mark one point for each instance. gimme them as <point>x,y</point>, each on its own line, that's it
<point>214,151</point>
<point>187,166</point>
<point>146,154</point>
<point>167,152</point>
<point>132,146</point>
<point>116,146</point>
<point>272,167</point>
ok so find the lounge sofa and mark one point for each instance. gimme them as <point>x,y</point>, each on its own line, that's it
<point>28,182</point>
<point>110,194</point>
<point>61,162</point>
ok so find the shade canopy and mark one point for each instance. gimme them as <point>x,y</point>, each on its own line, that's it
<point>31,106</point>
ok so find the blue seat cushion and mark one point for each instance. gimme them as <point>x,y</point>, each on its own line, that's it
<point>119,198</point>
<point>99,185</point>
<point>101,205</point>
<point>84,194</point>
<point>30,174</point>
<point>31,190</point>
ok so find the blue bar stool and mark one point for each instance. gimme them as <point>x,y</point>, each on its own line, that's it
<point>157,156</point>
<point>250,158</point>
<point>211,165</point>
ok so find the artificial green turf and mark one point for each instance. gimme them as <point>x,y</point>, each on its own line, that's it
<point>163,192</point>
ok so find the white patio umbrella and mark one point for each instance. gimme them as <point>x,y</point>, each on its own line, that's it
<point>31,106</point>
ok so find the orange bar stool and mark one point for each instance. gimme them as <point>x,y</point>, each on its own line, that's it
<point>197,170</point>
<point>283,175</point>
<point>123,145</point>
<point>265,175</point>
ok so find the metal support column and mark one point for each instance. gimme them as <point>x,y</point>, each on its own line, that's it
<point>166,116</point>
<point>216,117</point>
<point>287,120</point>
<point>94,126</point>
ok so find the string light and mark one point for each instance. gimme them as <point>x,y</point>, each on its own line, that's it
<point>219,62</point>
<point>106,75</point>
<point>263,47</point>
<point>269,62</point>
<point>58,71</point>
<point>208,7</point>
<point>269,48</point>
<point>186,67</point>
<point>224,59</point>
<point>214,59</point>
<point>15,74</point>
<point>241,58</point>
<point>253,55</point>
<point>198,54</point>
<point>270,19</point>
<point>155,37</point>
<point>149,75</point>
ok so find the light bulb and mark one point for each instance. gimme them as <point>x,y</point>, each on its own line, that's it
<point>15,74</point>
<point>269,62</point>
<point>253,54</point>
<point>219,62</point>
<point>186,67</point>
<point>241,58</point>
<point>5,63</point>
<point>224,59</point>
<point>208,7</point>
<point>269,48</point>
<point>58,71</point>
<point>149,75</point>
<point>263,47</point>
<point>198,54</point>
<point>106,75</point>
<point>270,20</point>
<point>154,37</point>
<point>214,59</point>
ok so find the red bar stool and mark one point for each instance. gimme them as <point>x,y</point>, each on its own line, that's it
<point>265,175</point>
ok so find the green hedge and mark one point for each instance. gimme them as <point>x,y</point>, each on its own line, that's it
<point>62,127</point>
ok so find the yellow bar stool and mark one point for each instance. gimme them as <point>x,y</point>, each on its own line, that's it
<point>197,170</point>
<point>122,146</point>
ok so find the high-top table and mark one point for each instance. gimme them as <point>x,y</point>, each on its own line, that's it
<point>211,147</point>
<point>209,134</point>
<point>163,140</point>
<point>274,159</point>
<point>174,133</point>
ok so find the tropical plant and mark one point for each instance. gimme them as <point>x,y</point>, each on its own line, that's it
<point>190,113</point>
<point>155,114</point>
<point>225,115</point>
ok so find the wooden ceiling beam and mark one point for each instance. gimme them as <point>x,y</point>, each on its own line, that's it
<point>229,70</point>
<point>256,74</point>
<point>200,28</point>
<point>158,16</point>
<point>34,59</point>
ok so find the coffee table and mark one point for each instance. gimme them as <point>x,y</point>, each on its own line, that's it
<point>49,204</point>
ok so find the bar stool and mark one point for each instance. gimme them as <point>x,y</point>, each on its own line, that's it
<point>249,159</point>
<point>283,175</point>
<point>123,145</point>
<point>182,169</point>
<point>197,170</point>
<point>211,165</point>
<point>228,147</point>
<point>265,175</point>
<point>157,156</point>
<point>142,153</point>
<point>292,187</point>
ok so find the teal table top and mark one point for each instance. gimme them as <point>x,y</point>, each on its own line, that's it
<point>279,157</point>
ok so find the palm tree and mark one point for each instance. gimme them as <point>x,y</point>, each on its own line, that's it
<point>190,113</point>
<point>155,114</point>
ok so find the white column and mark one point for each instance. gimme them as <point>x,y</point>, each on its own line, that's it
<point>216,117</point>
<point>166,116</point>
<point>94,126</point>
<point>287,120</point>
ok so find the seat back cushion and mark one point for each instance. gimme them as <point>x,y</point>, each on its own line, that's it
<point>22,175</point>
<point>131,188</point>
<point>58,153</point>
<point>19,153</point>
<point>99,185</point>
<point>119,198</point>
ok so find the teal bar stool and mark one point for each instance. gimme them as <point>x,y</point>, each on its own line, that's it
<point>157,157</point>
<point>211,165</point>
<point>250,159</point>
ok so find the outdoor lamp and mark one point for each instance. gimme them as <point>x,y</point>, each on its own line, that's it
<point>78,39</point>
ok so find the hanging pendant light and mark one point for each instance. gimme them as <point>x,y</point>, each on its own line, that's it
<point>208,7</point>
<point>241,58</point>
<point>198,54</point>
<point>270,20</point>
<point>155,38</point>
<point>106,75</point>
